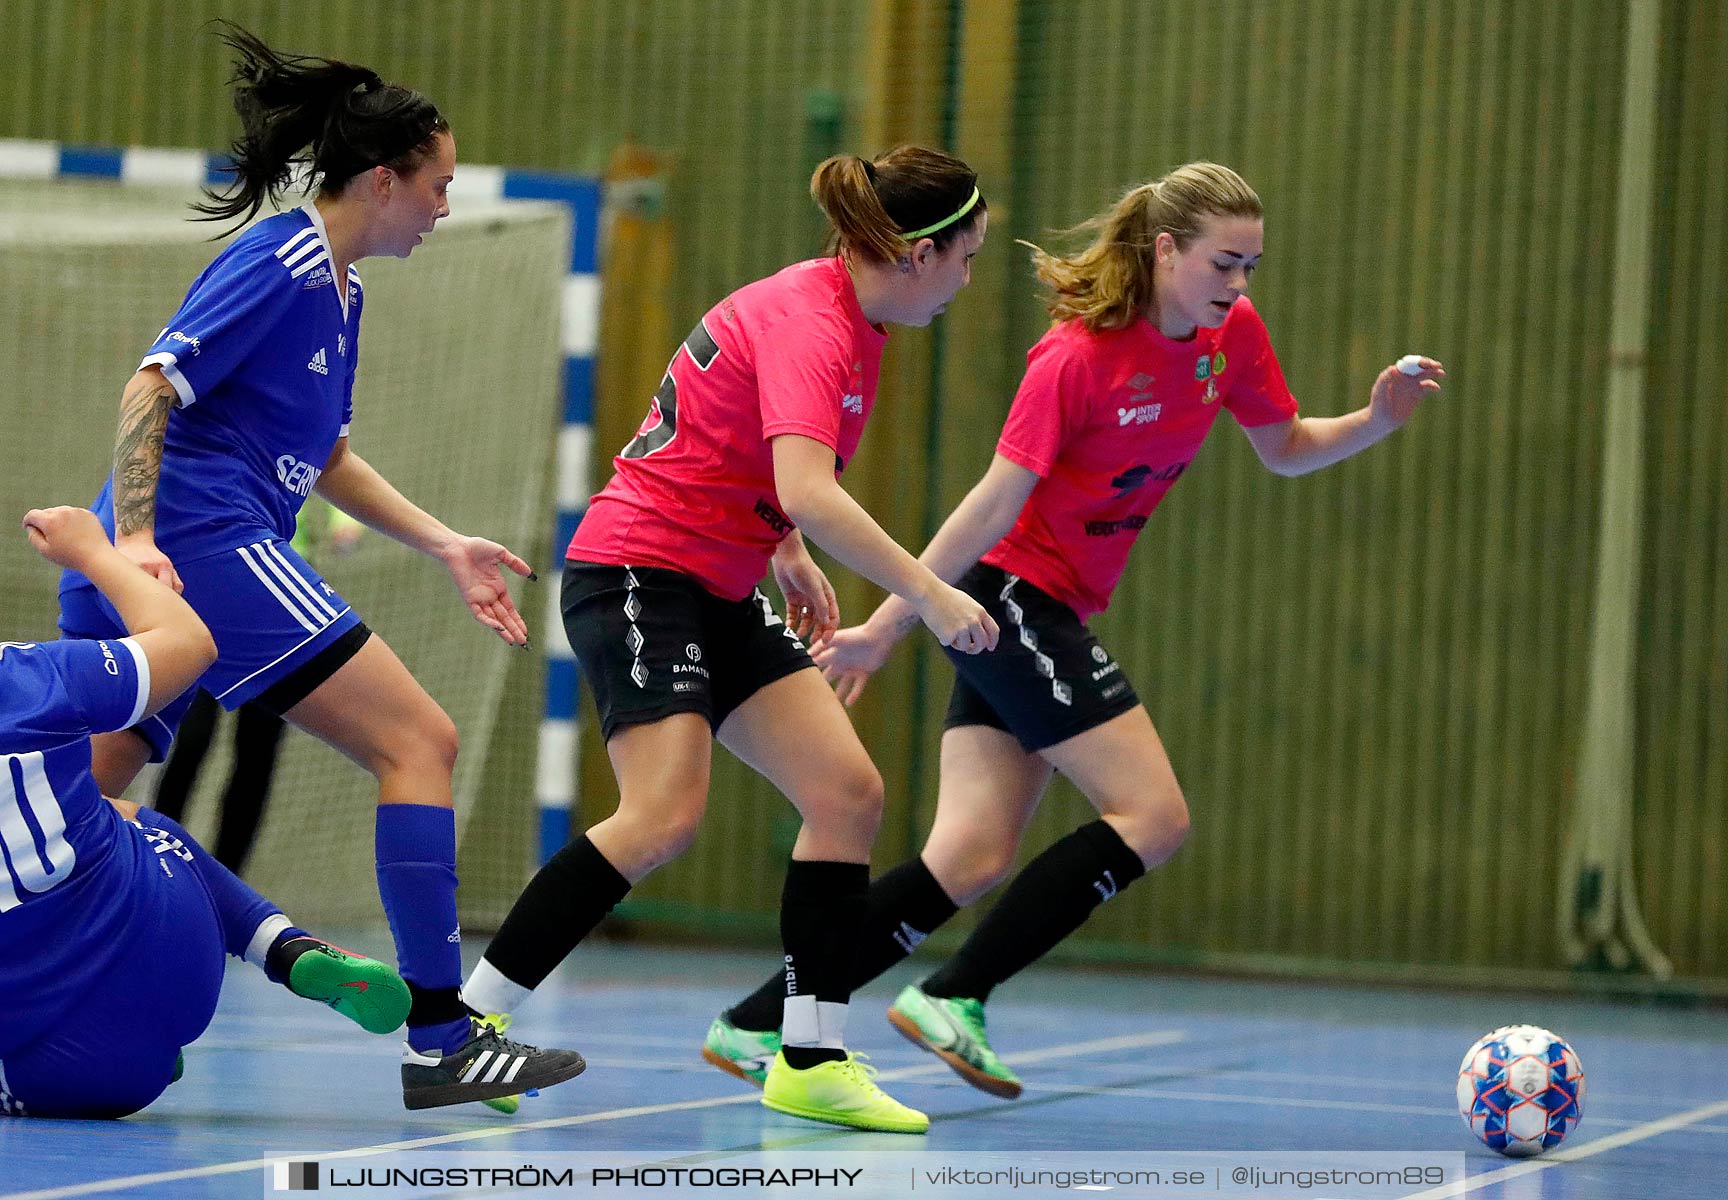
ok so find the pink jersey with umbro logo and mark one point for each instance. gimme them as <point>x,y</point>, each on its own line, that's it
<point>694,490</point>
<point>1109,421</point>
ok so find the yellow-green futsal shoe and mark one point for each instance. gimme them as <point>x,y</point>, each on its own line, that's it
<point>953,1030</point>
<point>841,1092</point>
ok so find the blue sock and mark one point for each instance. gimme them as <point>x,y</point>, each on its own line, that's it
<point>417,882</point>
<point>239,910</point>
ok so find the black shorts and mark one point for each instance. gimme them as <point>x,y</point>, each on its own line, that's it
<point>1048,678</point>
<point>654,642</point>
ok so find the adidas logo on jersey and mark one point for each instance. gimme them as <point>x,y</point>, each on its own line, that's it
<point>319,363</point>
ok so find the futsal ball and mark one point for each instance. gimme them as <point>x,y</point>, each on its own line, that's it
<point>1521,1090</point>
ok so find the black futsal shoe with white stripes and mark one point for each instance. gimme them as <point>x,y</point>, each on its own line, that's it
<point>486,1066</point>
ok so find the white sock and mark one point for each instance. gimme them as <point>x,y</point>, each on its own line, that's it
<point>269,929</point>
<point>812,1022</point>
<point>831,1022</point>
<point>488,991</point>
<point>799,1024</point>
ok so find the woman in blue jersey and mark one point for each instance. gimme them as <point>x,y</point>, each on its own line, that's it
<point>238,411</point>
<point>113,921</point>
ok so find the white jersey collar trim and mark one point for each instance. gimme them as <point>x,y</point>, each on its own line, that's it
<point>323,235</point>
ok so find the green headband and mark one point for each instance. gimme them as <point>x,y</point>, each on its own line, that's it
<point>971,203</point>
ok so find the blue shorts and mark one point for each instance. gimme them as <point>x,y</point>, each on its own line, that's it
<point>113,1052</point>
<point>268,610</point>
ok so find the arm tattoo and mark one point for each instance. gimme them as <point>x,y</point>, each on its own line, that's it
<point>138,455</point>
<point>906,624</point>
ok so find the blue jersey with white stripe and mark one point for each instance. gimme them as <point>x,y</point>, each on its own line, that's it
<point>69,864</point>
<point>261,354</point>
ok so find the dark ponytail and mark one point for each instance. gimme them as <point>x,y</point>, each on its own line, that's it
<point>349,119</point>
<point>873,205</point>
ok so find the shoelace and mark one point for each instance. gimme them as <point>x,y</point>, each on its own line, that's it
<point>492,1034</point>
<point>859,1064</point>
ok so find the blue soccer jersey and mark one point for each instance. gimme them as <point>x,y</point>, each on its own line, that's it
<point>69,867</point>
<point>262,356</point>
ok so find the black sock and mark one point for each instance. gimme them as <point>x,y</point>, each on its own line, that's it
<point>559,907</point>
<point>821,912</point>
<point>903,907</point>
<point>287,947</point>
<point>1048,900</point>
<point>435,1006</point>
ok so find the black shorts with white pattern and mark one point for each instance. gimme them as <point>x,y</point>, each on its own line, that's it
<point>1048,679</point>
<point>654,642</point>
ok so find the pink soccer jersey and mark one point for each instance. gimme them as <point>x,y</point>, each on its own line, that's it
<point>1109,421</point>
<point>694,490</point>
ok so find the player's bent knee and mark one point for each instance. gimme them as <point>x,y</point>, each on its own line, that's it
<point>677,833</point>
<point>658,826</point>
<point>1157,831</point>
<point>987,861</point>
<point>861,789</point>
<point>850,795</point>
<point>861,798</point>
<point>427,746</point>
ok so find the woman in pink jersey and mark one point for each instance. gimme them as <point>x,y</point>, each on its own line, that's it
<point>743,445</point>
<point>1153,334</point>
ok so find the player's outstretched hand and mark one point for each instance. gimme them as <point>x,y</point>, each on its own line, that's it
<point>66,537</point>
<point>474,566</point>
<point>958,621</point>
<point>1399,391</point>
<point>140,548</point>
<point>812,609</point>
<point>849,658</point>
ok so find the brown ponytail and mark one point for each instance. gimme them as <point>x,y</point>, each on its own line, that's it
<point>871,205</point>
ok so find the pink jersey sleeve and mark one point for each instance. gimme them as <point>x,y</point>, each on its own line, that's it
<point>1258,395</point>
<point>1054,400</point>
<point>802,368</point>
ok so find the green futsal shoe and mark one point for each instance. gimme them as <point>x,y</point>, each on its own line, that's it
<point>366,991</point>
<point>953,1030</point>
<point>839,1092</point>
<point>745,1053</point>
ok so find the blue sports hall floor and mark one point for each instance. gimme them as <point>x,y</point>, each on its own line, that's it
<point>1141,1069</point>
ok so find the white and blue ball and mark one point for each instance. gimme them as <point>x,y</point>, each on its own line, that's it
<point>1521,1090</point>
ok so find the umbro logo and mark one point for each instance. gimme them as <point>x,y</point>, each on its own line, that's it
<point>319,363</point>
<point>1140,382</point>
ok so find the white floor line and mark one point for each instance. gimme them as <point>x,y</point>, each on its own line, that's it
<point>1162,1037</point>
<point>1568,1154</point>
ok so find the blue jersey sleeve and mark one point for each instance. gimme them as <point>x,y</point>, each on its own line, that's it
<point>70,688</point>
<point>107,682</point>
<point>229,310</point>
